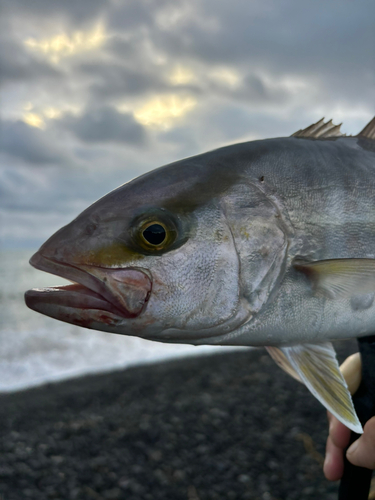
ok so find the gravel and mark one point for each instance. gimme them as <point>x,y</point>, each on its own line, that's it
<point>225,426</point>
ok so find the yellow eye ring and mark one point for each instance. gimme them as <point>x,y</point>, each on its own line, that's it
<point>154,234</point>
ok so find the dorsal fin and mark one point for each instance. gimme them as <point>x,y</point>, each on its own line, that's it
<point>369,130</point>
<point>320,130</point>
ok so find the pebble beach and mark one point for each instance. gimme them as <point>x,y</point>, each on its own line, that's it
<point>224,426</point>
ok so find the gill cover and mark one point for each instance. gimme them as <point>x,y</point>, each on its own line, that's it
<point>261,234</point>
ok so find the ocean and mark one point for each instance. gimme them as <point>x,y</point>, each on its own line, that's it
<point>35,349</point>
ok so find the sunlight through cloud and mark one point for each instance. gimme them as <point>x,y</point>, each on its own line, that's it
<point>162,111</point>
<point>181,76</point>
<point>34,120</point>
<point>36,115</point>
<point>52,113</point>
<point>63,45</point>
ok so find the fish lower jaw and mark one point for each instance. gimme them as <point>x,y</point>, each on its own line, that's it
<point>89,299</point>
<point>73,303</point>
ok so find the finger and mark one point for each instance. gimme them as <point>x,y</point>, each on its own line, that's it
<point>334,461</point>
<point>362,451</point>
<point>352,371</point>
<point>339,433</point>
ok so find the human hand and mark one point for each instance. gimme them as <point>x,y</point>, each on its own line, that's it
<point>362,451</point>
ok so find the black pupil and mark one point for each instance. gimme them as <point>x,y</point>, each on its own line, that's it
<point>154,234</point>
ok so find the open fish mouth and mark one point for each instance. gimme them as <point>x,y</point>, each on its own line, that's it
<point>97,295</point>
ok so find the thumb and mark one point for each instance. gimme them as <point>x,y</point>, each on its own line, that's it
<point>362,451</point>
<point>352,371</point>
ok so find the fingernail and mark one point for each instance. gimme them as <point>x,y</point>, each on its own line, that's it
<point>353,447</point>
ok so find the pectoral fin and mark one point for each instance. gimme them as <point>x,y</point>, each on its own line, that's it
<point>337,278</point>
<point>316,365</point>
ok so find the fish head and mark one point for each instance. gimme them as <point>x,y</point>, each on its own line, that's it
<point>157,258</point>
<point>154,258</point>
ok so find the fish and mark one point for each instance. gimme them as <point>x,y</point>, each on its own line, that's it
<point>268,243</point>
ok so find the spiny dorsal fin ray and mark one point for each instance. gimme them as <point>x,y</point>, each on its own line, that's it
<point>308,130</point>
<point>369,130</point>
<point>334,131</point>
<point>320,130</point>
<point>316,365</point>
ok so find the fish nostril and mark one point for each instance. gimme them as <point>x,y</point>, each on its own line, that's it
<point>90,228</point>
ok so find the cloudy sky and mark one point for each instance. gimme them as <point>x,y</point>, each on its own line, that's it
<point>95,92</point>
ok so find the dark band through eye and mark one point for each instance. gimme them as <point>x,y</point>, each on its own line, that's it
<point>154,234</point>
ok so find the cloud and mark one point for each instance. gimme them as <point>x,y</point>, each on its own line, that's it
<point>137,15</point>
<point>120,87</point>
<point>105,124</point>
<point>73,11</point>
<point>30,144</point>
<point>115,79</point>
<point>17,66</point>
<point>65,45</point>
<point>163,111</point>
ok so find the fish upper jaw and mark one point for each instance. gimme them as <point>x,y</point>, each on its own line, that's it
<point>123,293</point>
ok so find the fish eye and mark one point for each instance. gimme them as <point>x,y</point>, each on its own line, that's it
<point>154,233</point>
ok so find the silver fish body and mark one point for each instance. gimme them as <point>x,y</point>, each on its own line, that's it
<point>325,194</point>
<point>264,243</point>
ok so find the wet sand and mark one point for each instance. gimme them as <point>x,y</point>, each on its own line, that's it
<point>227,426</point>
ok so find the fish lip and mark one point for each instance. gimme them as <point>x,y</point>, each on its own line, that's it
<point>85,280</point>
<point>73,296</point>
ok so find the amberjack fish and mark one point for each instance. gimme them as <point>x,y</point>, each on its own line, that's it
<point>265,243</point>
